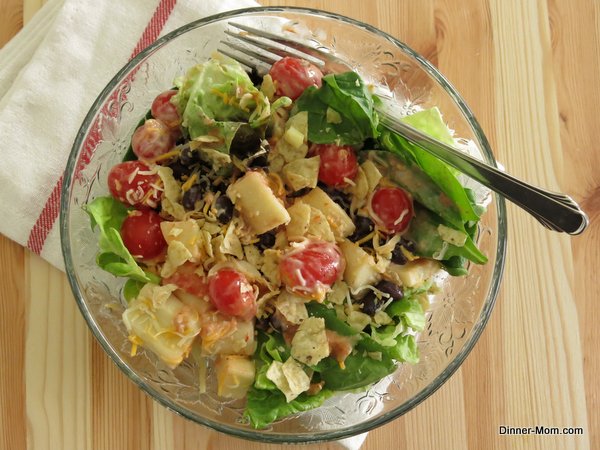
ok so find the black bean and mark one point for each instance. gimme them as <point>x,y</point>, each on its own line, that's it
<point>398,256</point>
<point>221,187</point>
<point>364,225</point>
<point>390,288</point>
<point>369,303</point>
<point>255,78</point>
<point>275,322</point>
<point>179,170</point>
<point>337,196</point>
<point>224,209</point>
<point>262,323</point>
<point>266,240</point>
<point>371,144</point>
<point>299,192</point>
<point>408,245</point>
<point>204,184</point>
<point>192,197</point>
<point>260,161</point>
<point>188,157</point>
<point>245,143</point>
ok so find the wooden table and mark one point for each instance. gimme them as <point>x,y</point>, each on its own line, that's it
<point>529,70</point>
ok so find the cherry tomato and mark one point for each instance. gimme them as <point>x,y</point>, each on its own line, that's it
<point>310,270</point>
<point>187,279</point>
<point>392,209</point>
<point>338,163</point>
<point>133,183</point>
<point>293,75</point>
<point>165,111</point>
<point>152,140</point>
<point>142,235</point>
<point>232,294</point>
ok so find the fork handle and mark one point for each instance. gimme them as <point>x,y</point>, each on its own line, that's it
<point>556,211</point>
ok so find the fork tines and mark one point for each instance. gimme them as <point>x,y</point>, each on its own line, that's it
<point>259,50</point>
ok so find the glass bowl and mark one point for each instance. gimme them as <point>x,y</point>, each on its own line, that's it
<point>457,315</point>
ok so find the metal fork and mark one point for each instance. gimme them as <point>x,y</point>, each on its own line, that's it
<point>258,50</point>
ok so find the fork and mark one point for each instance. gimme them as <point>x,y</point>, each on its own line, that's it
<point>259,49</point>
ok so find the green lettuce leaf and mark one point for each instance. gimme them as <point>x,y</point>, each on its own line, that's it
<point>424,233</point>
<point>108,215</point>
<point>430,122</point>
<point>264,407</point>
<point>342,110</point>
<point>270,347</point>
<point>132,288</point>
<point>409,176</point>
<point>410,311</point>
<point>332,322</point>
<point>216,98</point>
<point>359,371</point>
<point>402,347</point>
<point>406,349</point>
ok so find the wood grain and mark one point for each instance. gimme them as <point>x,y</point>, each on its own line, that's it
<point>529,71</point>
<point>13,430</point>
<point>11,17</point>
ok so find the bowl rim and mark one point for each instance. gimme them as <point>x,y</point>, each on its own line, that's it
<point>252,434</point>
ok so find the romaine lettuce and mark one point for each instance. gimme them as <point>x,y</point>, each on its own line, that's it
<point>216,98</point>
<point>264,407</point>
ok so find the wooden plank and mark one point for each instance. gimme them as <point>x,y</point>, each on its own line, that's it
<point>57,360</point>
<point>11,14</point>
<point>539,339</point>
<point>576,54</point>
<point>121,413</point>
<point>30,7</point>
<point>13,431</point>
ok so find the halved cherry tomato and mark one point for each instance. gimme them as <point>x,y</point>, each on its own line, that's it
<point>293,75</point>
<point>338,163</point>
<point>232,294</point>
<point>165,111</point>
<point>310,270</point>
<point>135,184</point>
<point>152,140</point>
<point>187,279</point>
<point>142,235</point>
<point>392,209</point>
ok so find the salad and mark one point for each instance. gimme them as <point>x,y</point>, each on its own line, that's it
<point>260,233</point>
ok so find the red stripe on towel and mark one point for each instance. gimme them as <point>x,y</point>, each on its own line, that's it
<point>48,215</point>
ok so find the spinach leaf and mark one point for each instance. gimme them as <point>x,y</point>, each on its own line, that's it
<point>332,322</point>
<point>342,110</point>
<point>264,406</point>
<point>359,371</point>
<point>108,214</point>
<point>423,232</point>
<point>409,176</point>
<point>430,122</point>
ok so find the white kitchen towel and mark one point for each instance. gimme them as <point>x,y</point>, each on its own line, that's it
<point>50,74</point>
